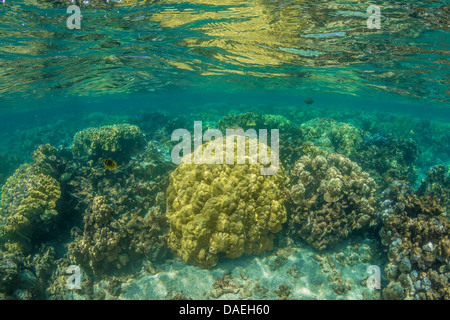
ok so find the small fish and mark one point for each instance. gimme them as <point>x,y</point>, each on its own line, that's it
<point>309,101</point>
<point>109,164</point>
<point>65,176</point>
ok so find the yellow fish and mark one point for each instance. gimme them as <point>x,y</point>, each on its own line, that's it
<point>109,164</point>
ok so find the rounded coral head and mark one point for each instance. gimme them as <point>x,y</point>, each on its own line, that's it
<point>227,207</point>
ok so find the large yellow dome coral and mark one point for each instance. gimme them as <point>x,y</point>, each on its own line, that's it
<point>223,208</point>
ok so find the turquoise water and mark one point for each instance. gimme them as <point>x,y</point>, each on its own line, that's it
<point>364,150</point>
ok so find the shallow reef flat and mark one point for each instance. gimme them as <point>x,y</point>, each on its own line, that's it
<point>353,194</point>
<point>114,183</point>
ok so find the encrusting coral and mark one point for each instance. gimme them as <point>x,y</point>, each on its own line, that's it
<point>331,197</point>
<point>223,208</point>
<point>117,141</point>
<point>415,233</point>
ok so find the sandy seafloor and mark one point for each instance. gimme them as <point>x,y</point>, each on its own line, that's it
<point>295,272</point>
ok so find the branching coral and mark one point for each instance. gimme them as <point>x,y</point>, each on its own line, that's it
<point>436,186</point>
<point>119,141</point>
<point>223,208</point>
<point>330,198</point>
<point>100,243</point>
<point>124,213</point>
<point>416,236</point>
<point>108,241</point>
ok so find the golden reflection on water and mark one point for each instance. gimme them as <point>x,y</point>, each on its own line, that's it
<point>134,45</point>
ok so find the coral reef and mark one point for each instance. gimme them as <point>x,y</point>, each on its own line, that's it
<point>252,120</point>
<point>416,236</point>
<point>388,159</point>
<point>99,247</point>
<point>113,235</point>
<point>29,200</point>
<point>331,197</point>
<point>123,213</point>
<point>123,226</point>
<point>109,243</point>
<point>291,137</point>
<point>116,141</point>
<point>333,136</point>
<point>25,277</point>
<point>436,186</point>
<point>10,268</point>
<point>385,158</point>
<point>223,208</point>
<point>29,214</point>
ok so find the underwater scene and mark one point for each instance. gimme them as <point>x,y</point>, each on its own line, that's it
<point>224,150</point>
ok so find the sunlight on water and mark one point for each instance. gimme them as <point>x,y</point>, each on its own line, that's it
<point>148,46</point>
